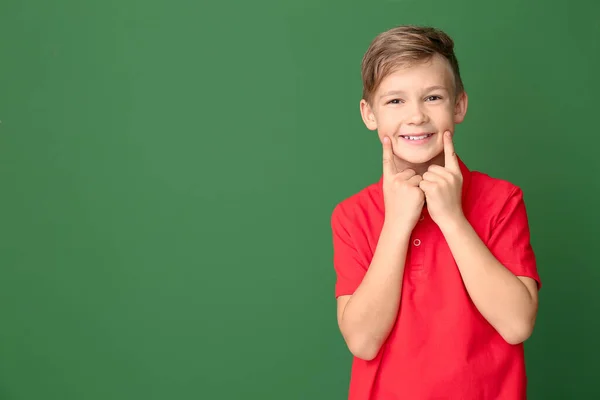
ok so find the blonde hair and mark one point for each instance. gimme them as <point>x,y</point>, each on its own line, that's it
<point>404,46</point>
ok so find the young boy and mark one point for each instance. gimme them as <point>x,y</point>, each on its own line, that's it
<point>437,284</point>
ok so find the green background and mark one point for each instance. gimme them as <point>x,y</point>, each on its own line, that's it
<point>168,170</point>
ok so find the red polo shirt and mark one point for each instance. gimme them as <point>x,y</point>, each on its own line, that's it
<point>440,347</point>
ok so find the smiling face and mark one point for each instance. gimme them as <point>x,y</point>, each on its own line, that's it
<point>414,106</point>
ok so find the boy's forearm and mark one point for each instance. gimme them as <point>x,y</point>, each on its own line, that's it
<point>372,310</point>
<point>502,298</point>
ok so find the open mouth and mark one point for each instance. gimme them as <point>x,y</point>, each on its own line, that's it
<point>417,137</point>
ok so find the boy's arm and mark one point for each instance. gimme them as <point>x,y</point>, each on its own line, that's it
<point>508,302</point>
<point>500,276</point>
<point>366,317</point>
<point>369,296</point>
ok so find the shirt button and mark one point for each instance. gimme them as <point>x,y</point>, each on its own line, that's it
<point>422,217</point>
<point>417,242</point>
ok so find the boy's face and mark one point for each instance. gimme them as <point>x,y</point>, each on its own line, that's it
<point>414,106</point>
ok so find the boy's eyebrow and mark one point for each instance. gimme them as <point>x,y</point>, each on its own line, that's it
<point>427,89</point>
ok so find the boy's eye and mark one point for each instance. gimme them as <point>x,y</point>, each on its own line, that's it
<point>394,101</point>
<point>433,97</point>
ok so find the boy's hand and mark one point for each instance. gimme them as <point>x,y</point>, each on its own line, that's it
<point>443,187</point>
<point>402,196</point>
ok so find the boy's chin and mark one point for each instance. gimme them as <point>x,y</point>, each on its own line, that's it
<point>417,158</point>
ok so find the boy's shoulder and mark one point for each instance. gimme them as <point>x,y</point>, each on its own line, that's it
<point>369,197</point>
<point>483,185</point>
<point>491,199</point>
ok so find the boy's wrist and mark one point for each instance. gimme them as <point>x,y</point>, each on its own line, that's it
<point>395,233</point>
<point>454,225</point>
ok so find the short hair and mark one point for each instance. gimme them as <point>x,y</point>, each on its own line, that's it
<point>403,46</point>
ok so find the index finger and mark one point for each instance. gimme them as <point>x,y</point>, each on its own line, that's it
<point>389,168</point>
<point>451,161</point>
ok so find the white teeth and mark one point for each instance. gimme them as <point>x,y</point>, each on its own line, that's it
<point>417,137</point>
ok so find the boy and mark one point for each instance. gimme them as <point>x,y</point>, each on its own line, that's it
<point>437,284</point>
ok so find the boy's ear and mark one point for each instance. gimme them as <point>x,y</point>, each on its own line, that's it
<point>367,114</point>
<point>460,108</point>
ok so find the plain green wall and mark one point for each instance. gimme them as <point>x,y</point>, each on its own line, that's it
<point>168,170</point>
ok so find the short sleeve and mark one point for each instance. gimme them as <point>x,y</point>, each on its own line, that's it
<point>347,263</point>
<point>510,238</point>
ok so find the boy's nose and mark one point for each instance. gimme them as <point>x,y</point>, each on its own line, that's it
<point>417,116</point>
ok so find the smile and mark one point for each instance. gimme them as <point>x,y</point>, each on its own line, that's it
<point>418,137</point>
